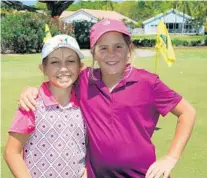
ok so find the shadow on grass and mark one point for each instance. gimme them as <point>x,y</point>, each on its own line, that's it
<point>157,128</point>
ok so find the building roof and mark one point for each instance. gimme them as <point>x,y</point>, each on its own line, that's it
<point>99,14</point>
<point>66,14</point>
<point>169,11</point>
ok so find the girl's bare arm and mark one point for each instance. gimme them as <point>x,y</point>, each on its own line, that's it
<point>13,155</point>
<point>186,117</point>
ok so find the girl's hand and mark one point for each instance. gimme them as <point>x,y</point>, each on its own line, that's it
<point>84,174</point>
<point>27,98</point>
<point>161,167</point>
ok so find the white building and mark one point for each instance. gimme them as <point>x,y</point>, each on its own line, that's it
<point>176,22</point>
<point>93,16</point>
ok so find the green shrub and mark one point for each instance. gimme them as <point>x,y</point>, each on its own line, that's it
<point>137,42</point>
<point>24,32</point>
<point>205,40</point>
<point>144,42</point>
<point>82,32</point>
<point>185,43</point>
<point>177,42</point>
<point>150,41</point>
<point>195,43</point>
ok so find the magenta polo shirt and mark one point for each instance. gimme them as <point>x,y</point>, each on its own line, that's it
<point>120,124</point>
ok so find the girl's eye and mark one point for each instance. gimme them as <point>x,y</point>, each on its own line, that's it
<point>54,62</point>
<point>70,61</point>
<point>102,49</point>
<point>119,46</point>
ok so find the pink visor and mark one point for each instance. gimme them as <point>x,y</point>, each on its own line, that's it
<point>106,25</point>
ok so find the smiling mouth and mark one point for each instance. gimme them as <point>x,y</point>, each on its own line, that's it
<point>112,63</point>
<point>64,77</point>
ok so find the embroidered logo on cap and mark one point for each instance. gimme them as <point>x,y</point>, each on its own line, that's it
<point>106,22</point>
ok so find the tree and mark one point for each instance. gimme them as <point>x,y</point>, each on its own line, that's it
<point>41,6</point>
<point>198,10</point>
<point>17,5</point>
<point>57,7</point>
<point>97,5</point>
<point>108,5</point>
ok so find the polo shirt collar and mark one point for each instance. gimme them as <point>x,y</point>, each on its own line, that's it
<point>49,100</point>
<point>128,76</point>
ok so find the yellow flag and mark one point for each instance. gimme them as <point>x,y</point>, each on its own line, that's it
<point>164,44</point>
<point>47,33</point>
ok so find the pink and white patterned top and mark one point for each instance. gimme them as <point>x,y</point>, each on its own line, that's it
<point>56,147</point>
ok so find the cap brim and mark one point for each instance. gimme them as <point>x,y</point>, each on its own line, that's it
<point>81,56</point>
<point>110,30</point>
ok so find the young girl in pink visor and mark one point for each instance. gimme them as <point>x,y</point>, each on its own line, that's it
<point>121,106</point>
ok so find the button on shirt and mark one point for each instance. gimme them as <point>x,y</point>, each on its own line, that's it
<point>56,147</point>
<point>120,123</point>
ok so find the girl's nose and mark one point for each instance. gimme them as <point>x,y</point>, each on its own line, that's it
<point>63,67</point>
<point>111,51</point>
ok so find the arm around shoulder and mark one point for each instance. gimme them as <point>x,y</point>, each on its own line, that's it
<point>27,98</point>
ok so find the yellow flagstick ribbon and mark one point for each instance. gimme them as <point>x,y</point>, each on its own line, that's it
<point>156,59</point>
<point>164,45</point>
<point>47,33</point>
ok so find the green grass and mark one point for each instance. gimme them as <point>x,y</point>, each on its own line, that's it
<point>188,76</point>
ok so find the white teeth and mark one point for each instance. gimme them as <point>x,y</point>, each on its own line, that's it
<point>111,62</point>
<point>64,77</point>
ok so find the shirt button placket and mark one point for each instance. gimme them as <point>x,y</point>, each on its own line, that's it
<point>60,109</point>
<point>111,109</point>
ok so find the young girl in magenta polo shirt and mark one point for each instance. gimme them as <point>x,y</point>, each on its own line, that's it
<point>52,137</point>
<point>121,106</point>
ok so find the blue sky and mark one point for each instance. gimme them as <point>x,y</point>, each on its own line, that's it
<point>33,2</point>
<point>29,2</point>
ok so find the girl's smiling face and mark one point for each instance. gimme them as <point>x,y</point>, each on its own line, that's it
<point>62,67</point>
<point>112,53</point>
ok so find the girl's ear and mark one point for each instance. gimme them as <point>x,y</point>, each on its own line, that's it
<point>93,53</point>
<point>129,55</point>
<point>82,67</point>
<point>41,68</point>
<point>130,50</point>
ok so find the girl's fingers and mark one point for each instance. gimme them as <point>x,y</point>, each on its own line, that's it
<point>159,173</point>
<point>26,104</point>
<point>31,99</point>
<point>22,105</point>
<point>27,98</point>
<point>166,174</point>
<point>29,104</point>
<point>153,172</point>
<point>149,171</point>
<point>84,174</point>
<point>161,167</point>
